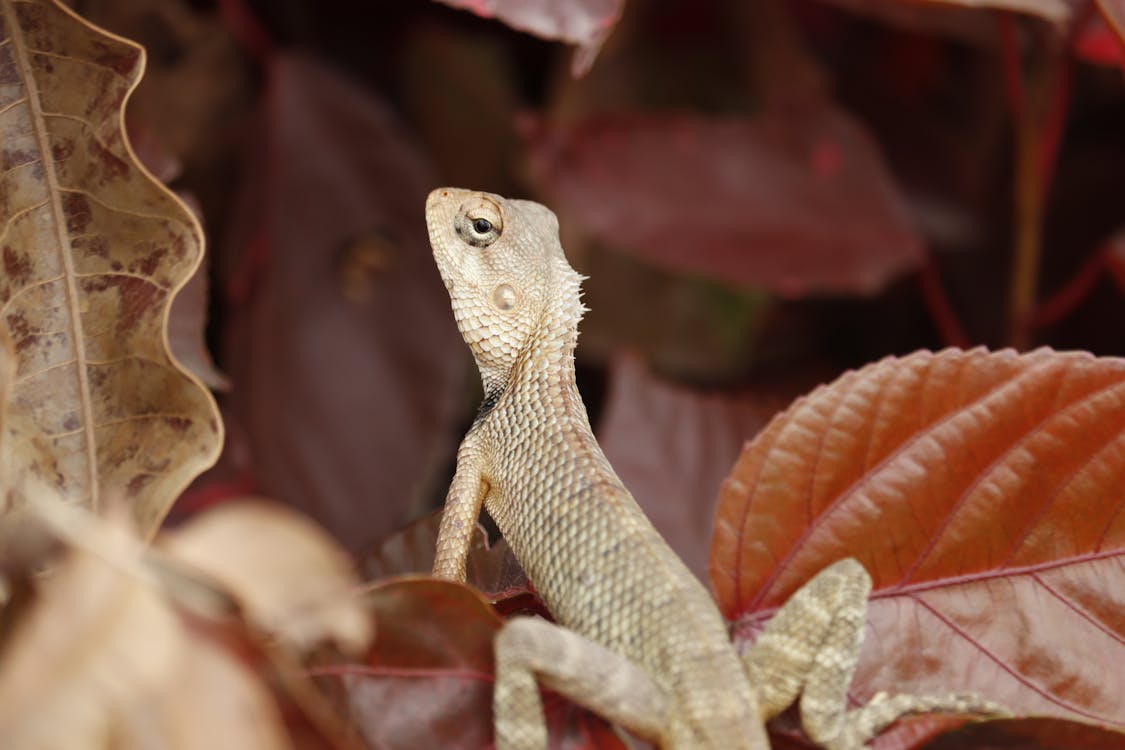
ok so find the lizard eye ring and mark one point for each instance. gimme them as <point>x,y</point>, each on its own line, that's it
<point>479,222</point>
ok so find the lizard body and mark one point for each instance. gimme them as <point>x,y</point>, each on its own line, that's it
<point>641,641</point>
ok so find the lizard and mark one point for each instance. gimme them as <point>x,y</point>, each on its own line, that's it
<point>638,640</point>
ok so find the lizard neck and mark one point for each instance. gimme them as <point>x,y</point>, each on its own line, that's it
<point>548,356</point>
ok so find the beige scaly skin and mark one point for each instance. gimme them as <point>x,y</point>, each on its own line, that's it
<point>639,640</point>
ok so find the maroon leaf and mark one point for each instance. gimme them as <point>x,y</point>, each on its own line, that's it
<point>427,681</point>
<point>1102,38</point>
<point>585,23</point>
<point>672,447</point>
<point>1113,12</point>
<point>1030,734</point>
<point>955,18</point>
<point>492,569</point>
<point>797,200</point>
<point>346,363</point>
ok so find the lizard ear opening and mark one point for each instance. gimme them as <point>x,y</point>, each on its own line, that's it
<point>479,222</point>
<point>504,297</point>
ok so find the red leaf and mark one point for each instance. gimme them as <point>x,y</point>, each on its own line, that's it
<point>1113,13</point>
<point>797,200</point>
<point>427,681</point>
<point>1098,42</point>
<point>585,23</point>
<point>982,491</point>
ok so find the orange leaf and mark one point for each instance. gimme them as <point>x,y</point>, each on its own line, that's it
<point>982,491</point>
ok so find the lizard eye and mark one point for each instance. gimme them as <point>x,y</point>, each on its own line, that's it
<point>479,222</point>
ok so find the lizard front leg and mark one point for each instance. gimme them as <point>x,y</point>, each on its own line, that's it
<point>459,516</point>
<point>811,647</point>
<point>531,651</point>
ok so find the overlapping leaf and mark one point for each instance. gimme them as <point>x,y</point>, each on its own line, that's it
<point>796,200</point>
<point>93,251</point>
<point>490,568</point>
<point>982,491</point>
<point>585,23</point>
<point>350,398</point>
<point>427,680</point>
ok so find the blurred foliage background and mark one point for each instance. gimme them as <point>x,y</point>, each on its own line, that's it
<point>763,195</point>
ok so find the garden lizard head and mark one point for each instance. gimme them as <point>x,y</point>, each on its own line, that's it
<point>514,295</point>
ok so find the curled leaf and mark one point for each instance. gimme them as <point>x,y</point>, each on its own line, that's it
<point>585,23</point>
<point>93,250</point>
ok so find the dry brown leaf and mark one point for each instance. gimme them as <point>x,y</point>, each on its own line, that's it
<point>26,458</point>
<point>289,575</point>
<point>213,701</point>
<point>955,19</point>
<point>102,661</point>
<point>93,251</point>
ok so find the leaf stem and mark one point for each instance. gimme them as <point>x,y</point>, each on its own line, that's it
<point>1028,229</point>
<point>1039,95</point>
<point>1065,300</point>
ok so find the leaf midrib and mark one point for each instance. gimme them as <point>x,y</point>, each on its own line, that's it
<point>22,59</point>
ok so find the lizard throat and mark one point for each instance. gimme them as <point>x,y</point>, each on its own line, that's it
<point>547,358</point>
